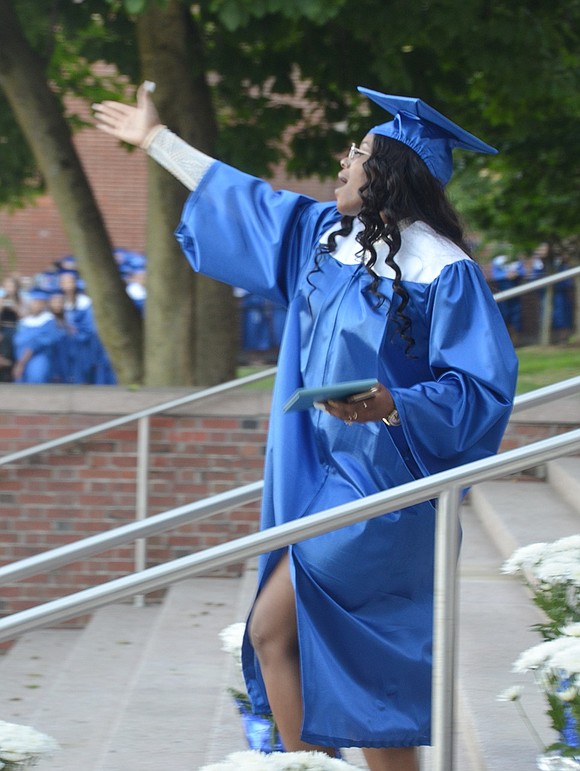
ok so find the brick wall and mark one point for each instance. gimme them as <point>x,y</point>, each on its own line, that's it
<point>89,486</point>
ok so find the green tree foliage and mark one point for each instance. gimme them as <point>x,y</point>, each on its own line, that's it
<point>283,74</point>
<point>508,71</point>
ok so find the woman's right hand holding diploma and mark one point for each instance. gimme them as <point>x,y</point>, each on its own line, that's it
<point>129,123</point>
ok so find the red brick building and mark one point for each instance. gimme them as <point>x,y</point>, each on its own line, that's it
<point>119,179</point>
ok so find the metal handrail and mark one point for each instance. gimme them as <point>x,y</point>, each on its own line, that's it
<point>158,523</point>
<point>538,283</point>
<point>547,394</point>
<point>446,486</point>
<point>165,407</point>
<point>548,283</point>
<point>71,552</point>
<point>309,526</point>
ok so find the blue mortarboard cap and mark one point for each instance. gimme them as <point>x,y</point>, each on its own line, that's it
<point>47,280</point>
<point>68,262</point>
<point>37,293</point>
<point>137,263</point>
<point>128,260</point>
<point>429,133</point>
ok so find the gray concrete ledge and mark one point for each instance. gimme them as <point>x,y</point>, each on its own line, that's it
<point>562,411</point>
<point>119,400</point>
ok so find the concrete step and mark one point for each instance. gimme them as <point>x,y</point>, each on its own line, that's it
<point>177,705</point>
<point>139,687</point>
<point>80,706</point>
<point>28,671</point>
<point>564,477</point>
<point>516,513</point>
<point>495,620</point>
<point>497,613</point>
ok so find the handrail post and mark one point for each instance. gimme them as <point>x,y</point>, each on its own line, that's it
<point>547,308</point>
<point>444,623</point>
<point>142,503</point>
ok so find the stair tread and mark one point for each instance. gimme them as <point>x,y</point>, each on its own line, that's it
<point>168,688</point>
<point>147,687</point>
<point>83,697</point>
<point>517,513</point>
<point>495,616</point>
<point>564,476</point>
<point>28,669</point>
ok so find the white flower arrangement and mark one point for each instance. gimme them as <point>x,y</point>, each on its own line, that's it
<point>232,637</point>
<point>252,760</point>
<point>552,573</point>
<point>22,745</point>
<point>260,729</point>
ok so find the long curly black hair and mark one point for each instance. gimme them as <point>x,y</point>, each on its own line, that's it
<point>399,189</point>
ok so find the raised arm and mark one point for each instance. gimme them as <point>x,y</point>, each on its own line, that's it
<point>130,123</point>
<point>140,125</point>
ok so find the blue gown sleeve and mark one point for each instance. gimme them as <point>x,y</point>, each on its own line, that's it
<point>461,414</point>
<point>237,229</point>
<point>37,339</point>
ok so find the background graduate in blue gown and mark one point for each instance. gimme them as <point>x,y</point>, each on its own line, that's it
<point>378,284</point>
<point>35,341</point>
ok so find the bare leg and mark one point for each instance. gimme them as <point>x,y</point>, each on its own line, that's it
<point>273,633</point>
<point>392,759</point>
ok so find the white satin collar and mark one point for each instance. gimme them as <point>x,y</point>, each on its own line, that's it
<point>37,321</point>
<point>421,258</point>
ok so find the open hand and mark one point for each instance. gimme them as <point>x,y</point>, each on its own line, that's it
<point>129,123</point>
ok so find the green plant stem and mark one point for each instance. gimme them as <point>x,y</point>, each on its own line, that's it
<point>530,725</point>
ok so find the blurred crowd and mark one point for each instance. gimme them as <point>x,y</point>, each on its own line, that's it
<point>522,313</point>
<point>47,326</point>
<point>48,332</point>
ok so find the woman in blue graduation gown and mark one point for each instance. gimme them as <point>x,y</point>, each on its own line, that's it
<point>35,341</point>
<point>377,285</point>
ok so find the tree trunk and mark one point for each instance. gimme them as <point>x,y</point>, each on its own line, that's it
<point>190,326</point>
<point>39,114</point>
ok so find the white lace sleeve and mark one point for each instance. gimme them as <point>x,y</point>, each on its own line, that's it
<point>187,164</point>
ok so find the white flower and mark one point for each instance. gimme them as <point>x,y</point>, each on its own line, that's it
<point>569,543</point>
<point>232,637</point>
<point>572,630</point>
<point>567,657</point>
<point>568,695</point>
<point>21,742</point>
<point>511,694</point>
<point>557,568</point>
<point>524,557</point>
<point>560,656</point>
<point>532,658</point>
<point>253,760</point>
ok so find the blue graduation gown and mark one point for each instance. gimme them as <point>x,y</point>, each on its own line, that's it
<point>364,593</point>
<point>79,317</point>
<point>40,334</point>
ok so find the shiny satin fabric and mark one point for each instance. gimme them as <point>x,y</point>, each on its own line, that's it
<point>364,593</point>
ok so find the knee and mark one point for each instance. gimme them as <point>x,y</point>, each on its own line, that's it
<point>272,640</point>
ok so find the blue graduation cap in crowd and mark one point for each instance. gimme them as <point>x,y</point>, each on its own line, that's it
<point>429,133</point>
<point>37,293</point>
<point>130,262</point>
<point>68,262</point>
